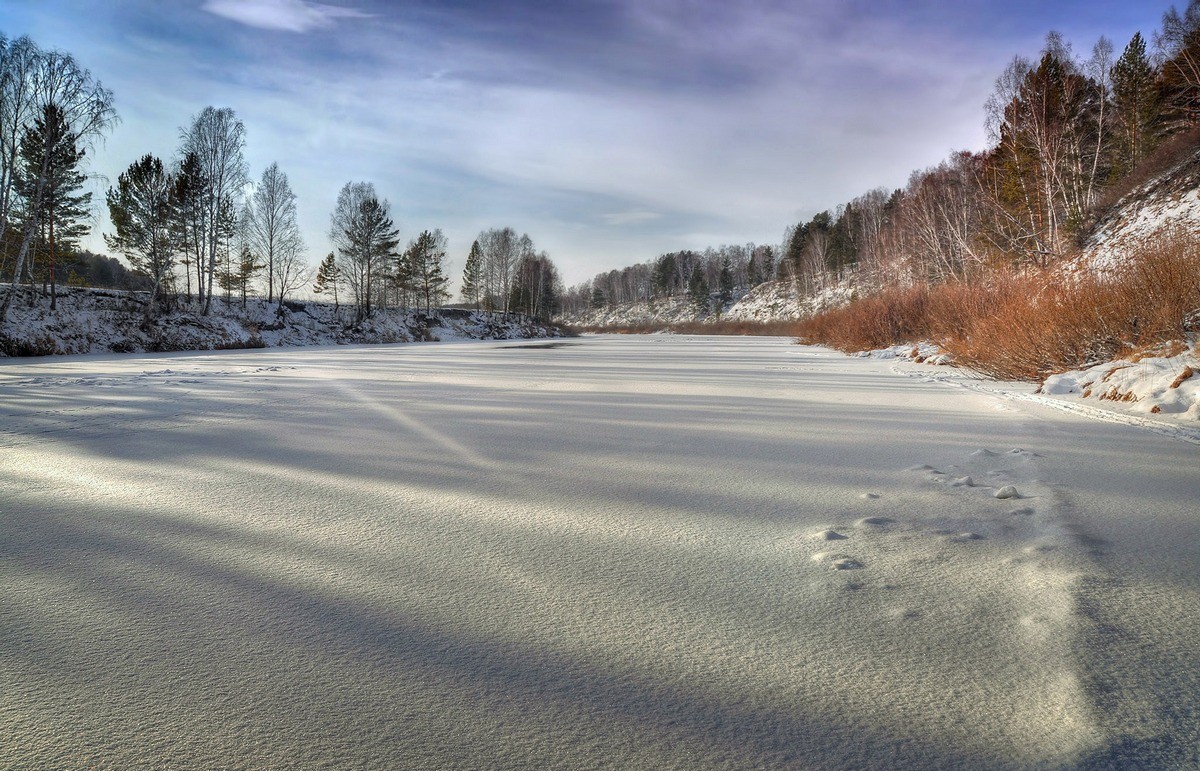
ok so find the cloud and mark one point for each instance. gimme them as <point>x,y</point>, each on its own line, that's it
<point>284,15</point>
<point>618,219</point>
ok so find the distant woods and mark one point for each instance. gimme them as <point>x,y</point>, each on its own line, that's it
<point>709,280</point>
<point>1068,136</point>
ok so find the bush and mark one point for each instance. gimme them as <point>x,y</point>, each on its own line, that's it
<point>1028,326</point>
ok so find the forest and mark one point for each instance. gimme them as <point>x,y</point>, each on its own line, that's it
<point>197,226</point>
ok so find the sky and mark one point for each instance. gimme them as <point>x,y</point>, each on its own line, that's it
<point>610,131</point>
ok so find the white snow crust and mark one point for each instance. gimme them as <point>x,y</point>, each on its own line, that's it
<point>612,552</point>
<point>102,320</point>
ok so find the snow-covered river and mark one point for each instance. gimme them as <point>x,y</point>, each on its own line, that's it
<point>611,552</point>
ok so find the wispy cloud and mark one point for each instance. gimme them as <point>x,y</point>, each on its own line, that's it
<point>284,15</point>
<point>622,218</point>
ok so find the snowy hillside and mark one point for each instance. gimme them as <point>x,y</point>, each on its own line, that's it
<point>102,320</point>
<point>1168,202</point>
<point>779,300</point>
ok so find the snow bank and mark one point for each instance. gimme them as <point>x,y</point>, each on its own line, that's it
<point>1167,385</point>
<point>921,353</point>
<point>101,320</point>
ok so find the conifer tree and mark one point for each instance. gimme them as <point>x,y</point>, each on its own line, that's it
<point>426,257</point>
<point>327,279</point>
<point>366,239</point>
<point>472,280</point>
<point>698,289</point>
<point>141,210</point>
<point>190,216</point>
<point>726,284</point>
<point>51,182</point>
<point>1136,104</point>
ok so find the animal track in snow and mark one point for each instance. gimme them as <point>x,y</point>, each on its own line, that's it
<point>838,561</point>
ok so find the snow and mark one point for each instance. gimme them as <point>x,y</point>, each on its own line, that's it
<point>771,301</point>
<point>101,320</point>
<point>1169,202</point>
<point>1157,385</point>
<point>1166,386</point>
<point>609,552</point>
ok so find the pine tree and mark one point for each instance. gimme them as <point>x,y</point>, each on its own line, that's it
<point>190,215</point>
<point>472,280</point>
<point>366,239</point>
<point>426,257</point>
<point>239,273</point>
<point>141,210</point>
<point>698,289</point>
<point>327,279</point>
<point>1137,103</point>
<point>726,284</point>
<point>50,183</point>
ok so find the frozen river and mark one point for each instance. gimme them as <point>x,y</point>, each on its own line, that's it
<point>647,552</point>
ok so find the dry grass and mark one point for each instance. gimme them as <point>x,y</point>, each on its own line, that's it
<point>892,317</point>
<point>1025,327</point>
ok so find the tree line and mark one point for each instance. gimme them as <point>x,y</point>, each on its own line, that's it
<point>710,279</point>
<point>197,224</point>
<point>1067,136</point>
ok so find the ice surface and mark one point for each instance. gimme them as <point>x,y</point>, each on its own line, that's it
<point>475,555</point>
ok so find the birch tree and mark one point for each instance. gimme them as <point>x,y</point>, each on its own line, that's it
<point>217,139</point>
<point>272,232</point>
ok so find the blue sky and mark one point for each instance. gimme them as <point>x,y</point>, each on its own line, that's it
<point>609,130</point>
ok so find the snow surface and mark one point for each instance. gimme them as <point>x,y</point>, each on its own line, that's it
<point>611,552</point>
<point>100,320</point>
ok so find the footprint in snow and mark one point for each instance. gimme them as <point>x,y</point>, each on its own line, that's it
<point>869,496</point>
<point>964,537</point>
<point>829,535</point>
<point>874,522</point>
<point>838,561</point>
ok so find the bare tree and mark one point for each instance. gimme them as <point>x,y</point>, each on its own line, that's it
<point>1179,45</point>
<point>19,61</point>
<point>217,139</point>
<point>271,230</point>
<point>502,249</point>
